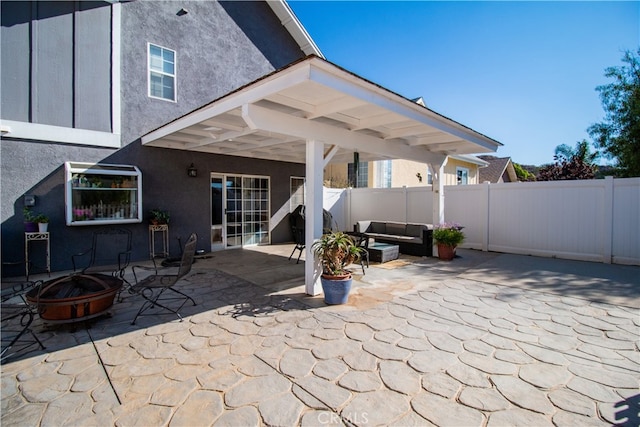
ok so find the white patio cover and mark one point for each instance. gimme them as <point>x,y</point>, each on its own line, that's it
<point>315,112</point>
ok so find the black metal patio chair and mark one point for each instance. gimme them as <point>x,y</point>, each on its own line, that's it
<point>157,288</point>
<point>362,241</point>
<point>17,316</point>
<point>110,253</point>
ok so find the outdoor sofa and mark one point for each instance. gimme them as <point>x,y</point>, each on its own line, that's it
<point>412,238</point>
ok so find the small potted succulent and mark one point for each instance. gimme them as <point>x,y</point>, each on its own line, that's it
<point>43,222</point>
<point>447,237</point>
<point>336,251</point>
<point>159,216</point>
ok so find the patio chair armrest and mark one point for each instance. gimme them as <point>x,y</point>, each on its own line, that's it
<point>139,268</point>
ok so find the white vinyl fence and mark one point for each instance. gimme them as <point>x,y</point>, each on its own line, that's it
<point>590,220</point>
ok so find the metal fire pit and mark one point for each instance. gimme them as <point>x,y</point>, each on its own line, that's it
<point>75,298</point>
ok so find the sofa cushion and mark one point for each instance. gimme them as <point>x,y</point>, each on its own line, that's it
<point>378,227</point>
<point>396,239</point>
<point>415,230</point>
<point>396,229</point>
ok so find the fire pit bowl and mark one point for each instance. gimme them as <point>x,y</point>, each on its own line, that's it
<point>74,298</point>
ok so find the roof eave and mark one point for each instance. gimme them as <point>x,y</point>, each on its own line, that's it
<point>291,22</point>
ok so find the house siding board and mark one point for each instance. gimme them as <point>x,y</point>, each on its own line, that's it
<point>92,83</point>
<point>56,63</point>
<point>14,68</point>
<point>52,87</point>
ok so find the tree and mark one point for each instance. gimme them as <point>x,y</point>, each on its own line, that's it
<point>523,174</point>
<point>571,163</point>
<point>581,151</point>
<point>619,133</point>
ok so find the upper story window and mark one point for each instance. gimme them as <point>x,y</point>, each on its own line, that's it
<point>162,73</point>
<point>463,175</point>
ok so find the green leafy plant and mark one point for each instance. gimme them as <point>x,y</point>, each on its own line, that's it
<point>159,216</point>
<point>336,251</point>
<point>41,219</point>
<point>449,234</point>
<point>28,214</point>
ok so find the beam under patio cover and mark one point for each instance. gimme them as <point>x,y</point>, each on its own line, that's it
<point>312,107</point>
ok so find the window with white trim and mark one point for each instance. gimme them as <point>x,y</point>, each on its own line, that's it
<point>162,72</point>
<point>463,175</point>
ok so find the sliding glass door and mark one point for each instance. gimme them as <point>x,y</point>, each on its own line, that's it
<point>240,206</point>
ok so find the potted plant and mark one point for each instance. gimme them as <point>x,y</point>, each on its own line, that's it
<point>448,237</point>
<point>336,251</point>
<point>30,225</point>
<point>43,222</point>
<point>158,216</point>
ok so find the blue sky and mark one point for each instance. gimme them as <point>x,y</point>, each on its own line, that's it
<point>523,73</point>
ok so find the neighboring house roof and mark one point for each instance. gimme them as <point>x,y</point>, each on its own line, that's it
<point>499,169</point>
<point>291,22</point>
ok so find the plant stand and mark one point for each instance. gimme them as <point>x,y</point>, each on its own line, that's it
<point>35,237</point>
<point>160,228</point>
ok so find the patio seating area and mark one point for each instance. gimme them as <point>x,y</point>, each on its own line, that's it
<point>487,339</point>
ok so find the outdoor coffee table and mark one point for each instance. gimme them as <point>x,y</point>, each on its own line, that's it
<point>383,252</point>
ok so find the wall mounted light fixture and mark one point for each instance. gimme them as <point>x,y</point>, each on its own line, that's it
<point>192,171</point>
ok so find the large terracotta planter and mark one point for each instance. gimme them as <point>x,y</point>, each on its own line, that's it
<point>336,288</point>
<point>446,252</point>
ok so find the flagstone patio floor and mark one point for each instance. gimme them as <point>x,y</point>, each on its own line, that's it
<point>484,340</point>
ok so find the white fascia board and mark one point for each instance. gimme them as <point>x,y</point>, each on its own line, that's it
<point>290,21</point>
<point>252,93</point>
<point>39,132</point>
<point>329,75</point>
<point>265,119</point>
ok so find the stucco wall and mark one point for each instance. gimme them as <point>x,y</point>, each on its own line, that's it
<point>403,173</point>
<point>220,47</point>
<point>214,55</point>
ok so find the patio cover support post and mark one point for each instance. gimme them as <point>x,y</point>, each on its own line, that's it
<point>313,214</point>
<point>438,195</point>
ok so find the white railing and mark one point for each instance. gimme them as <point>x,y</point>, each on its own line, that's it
<point>590,220</point>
